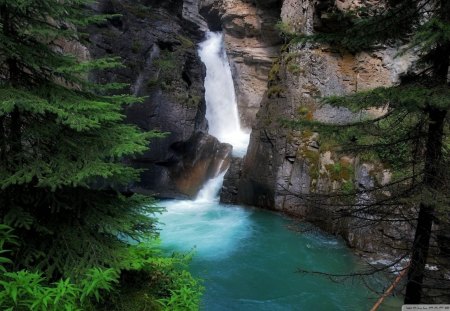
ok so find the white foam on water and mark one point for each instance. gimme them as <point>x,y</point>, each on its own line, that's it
<point>214,231</point>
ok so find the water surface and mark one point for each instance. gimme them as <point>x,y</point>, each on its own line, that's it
<point>248,259</point>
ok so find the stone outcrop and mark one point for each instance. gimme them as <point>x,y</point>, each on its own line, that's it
<point>229,191</point>
<point>157,42</point>
<point>298,15</point>
<point>191,13</point>
<point>196,160</point>
<point>278,157</point>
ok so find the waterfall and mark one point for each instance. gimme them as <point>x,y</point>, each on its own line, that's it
<point>210,190</point>
<point>221,106</point>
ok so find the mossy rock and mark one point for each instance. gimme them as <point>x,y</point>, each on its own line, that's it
<point>186,43</point>
<point>340,171</point>
<point>348,187</point>
<point>274,71</point>
<point>302,110</point>
<point>139,10</point>
<point>167,62</point>
<point>153,82</point>
<point>295,69</point>
<point>307,135</point>
<point>312,157</point>
<point>288,57</point>
<point>136,46</point>
<point>275,91</point>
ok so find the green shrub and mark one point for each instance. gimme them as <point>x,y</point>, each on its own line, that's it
<point>186,294</point>
<point>348,187</point>
<point>294,69</point>
<point>285,30</point>
<point>145,278</point>
<point>25,290</point>
<point>273,73</point>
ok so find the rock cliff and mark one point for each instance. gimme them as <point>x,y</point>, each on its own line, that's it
<point>157,41</point>
<point>282,163</point>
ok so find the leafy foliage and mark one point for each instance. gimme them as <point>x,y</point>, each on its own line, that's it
<point>64,177</point>
<point>24,290</point>
<point>62,145</point>
<point>185,295</point>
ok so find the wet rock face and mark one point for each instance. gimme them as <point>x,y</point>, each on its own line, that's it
<point>157,42</point>
<point>193,162</point>
<point>252,44</point>
<point>229,191</point>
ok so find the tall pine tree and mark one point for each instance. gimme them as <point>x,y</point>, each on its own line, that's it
<point>412,136</point>
<point>62,144</point>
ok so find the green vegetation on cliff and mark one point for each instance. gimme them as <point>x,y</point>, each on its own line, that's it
<point>71,234</point>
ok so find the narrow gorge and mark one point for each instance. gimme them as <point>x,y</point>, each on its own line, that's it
<point>275,82</point>
<point>248,258</point>
<point>184,155</point>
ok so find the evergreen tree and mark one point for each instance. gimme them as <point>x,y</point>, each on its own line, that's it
<point>62,144</point>
<point>412,136</point>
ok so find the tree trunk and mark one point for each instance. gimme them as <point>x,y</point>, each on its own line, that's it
<point>433,169</point>
<point>426,213</point>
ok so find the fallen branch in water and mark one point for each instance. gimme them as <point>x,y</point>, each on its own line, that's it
<point>391,288</point>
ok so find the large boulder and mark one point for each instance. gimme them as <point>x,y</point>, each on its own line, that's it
<point>197,160</point>
<point>229,191</point>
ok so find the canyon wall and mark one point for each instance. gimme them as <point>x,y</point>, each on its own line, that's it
<point>283,163</point>
<point>157,42</point>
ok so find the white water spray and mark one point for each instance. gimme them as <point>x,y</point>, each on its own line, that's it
<point>221,106</point>
<point>209,191</point>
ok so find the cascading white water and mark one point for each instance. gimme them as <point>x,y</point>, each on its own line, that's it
<point>209,191</point>
<point>221,106</point>
<point>201,219</point>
